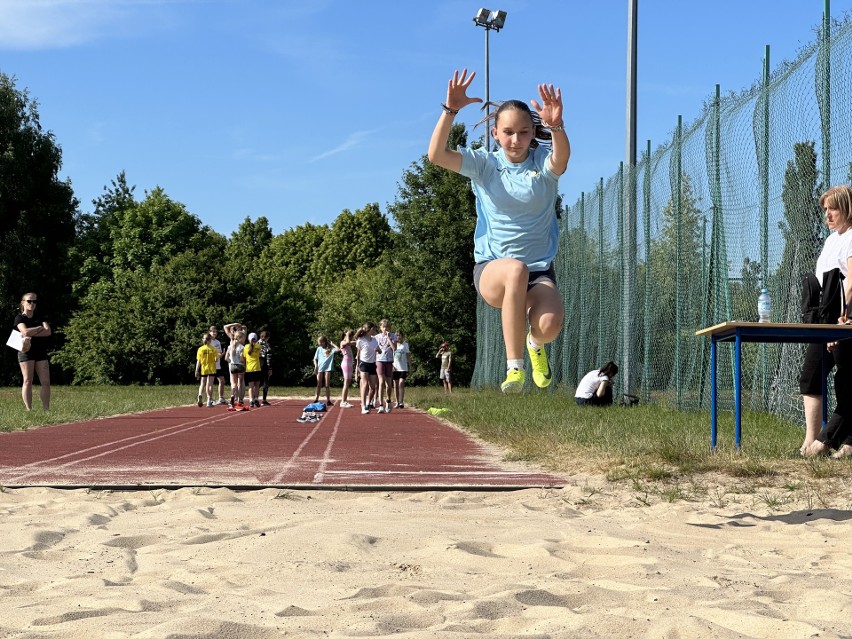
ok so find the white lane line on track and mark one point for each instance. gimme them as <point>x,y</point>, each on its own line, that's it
<point>164,433</point>
<point>296,453</point>
<point>327,454</point>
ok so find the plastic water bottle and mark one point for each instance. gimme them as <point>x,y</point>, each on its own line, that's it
<point>764,306</point>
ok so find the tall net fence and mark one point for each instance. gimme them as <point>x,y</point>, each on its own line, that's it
<point>686,239</point>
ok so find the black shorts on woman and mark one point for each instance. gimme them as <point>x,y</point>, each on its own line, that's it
<point>536,277</point>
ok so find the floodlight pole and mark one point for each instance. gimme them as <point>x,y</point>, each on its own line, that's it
<point>629,314</point>
<point>487,90</point>
<point>489,20</point>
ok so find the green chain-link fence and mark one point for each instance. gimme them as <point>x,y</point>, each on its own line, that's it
<point>728,205</point>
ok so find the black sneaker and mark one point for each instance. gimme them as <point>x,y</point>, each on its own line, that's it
<point>200,403</point>
<point>265,403</point>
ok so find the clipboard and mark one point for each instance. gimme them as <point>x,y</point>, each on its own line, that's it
<point>16,340</point>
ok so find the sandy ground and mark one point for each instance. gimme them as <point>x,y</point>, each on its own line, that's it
<point>590,560</point>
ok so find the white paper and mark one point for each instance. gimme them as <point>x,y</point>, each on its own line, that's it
<point>16,340</point>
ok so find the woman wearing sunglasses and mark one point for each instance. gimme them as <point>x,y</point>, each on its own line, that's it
<point>34,360</point>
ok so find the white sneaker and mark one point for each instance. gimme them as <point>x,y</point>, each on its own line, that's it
<point>365,411</point>
<point>345,405</point>
<point>380,409</point>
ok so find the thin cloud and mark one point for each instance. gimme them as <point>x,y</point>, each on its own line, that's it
<point>355,139</point>
<point>58,24</point>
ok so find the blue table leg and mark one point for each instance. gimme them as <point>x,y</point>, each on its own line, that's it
<point>713,394</point>
<point>738,391</point>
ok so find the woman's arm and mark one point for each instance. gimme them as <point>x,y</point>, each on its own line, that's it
<point>230,328</point>
<point>550,112</point>
<point>35,331</point>
<point>457,99</point>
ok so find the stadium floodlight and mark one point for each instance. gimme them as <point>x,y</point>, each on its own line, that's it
<point>489,20</point>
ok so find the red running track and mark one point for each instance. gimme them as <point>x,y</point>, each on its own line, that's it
<point>265,447</point>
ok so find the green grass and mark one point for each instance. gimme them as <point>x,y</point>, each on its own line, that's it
<point>662,453</point>
<point>79,403</point>
<point>656,449</point>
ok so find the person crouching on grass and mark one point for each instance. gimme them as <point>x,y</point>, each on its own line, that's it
<point>517,233</point>
<point>205,368</point>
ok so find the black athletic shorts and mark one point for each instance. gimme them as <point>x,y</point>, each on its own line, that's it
<point>536,277</point>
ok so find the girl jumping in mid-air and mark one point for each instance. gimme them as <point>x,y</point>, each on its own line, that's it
<point>516,232</point>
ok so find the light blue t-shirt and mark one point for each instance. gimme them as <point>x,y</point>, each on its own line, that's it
<point>324,359</point>
<point>515,206</point>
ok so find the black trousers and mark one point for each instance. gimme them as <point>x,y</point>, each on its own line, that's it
<point>838,430</point>
<point>264,370</point>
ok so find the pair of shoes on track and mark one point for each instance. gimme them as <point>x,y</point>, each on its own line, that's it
<point>308,418</point>
<point>515,378</point>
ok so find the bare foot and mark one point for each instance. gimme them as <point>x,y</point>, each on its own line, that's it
<point>805,445</point>
<point>843,451</point>
<point>816,449</point>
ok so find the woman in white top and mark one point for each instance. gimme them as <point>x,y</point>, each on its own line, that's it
<point>400,369</point>
<point>367,347</point>
<point>836,253</point>
<point>595,389</point>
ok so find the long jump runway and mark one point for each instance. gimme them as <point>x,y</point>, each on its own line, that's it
<point>265,447</point>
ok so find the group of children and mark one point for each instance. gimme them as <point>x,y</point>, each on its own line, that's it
<point>246,360</point>
<point>380,357</point>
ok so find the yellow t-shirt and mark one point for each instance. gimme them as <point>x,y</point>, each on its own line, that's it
<point>253,358</point>
<point>208,356</point>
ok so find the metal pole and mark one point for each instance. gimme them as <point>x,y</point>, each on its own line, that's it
<point>487,93</point>
<point>764,222</point>
<point>678,233</point>
<point>646,216</point>
<point>825,88</point>
<point>629,312</point>
<point>581,307</point>
<point>601,269</point>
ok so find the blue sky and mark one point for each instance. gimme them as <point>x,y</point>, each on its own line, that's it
<point>298,110</point>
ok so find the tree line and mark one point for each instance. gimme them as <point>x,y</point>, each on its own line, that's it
<point>130,286</point>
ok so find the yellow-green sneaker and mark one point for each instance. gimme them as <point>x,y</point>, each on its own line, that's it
<point>541,370</point>
<point>514,381</point>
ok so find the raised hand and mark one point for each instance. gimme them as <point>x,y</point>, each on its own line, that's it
<point>550,109</point>
<point>457,97</point>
